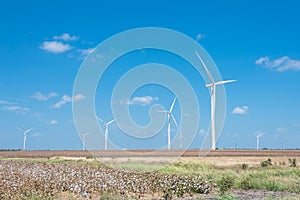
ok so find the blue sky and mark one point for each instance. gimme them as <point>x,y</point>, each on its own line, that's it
<point>43,44</point>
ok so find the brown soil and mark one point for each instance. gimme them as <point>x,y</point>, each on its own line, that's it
<point>149,153</point>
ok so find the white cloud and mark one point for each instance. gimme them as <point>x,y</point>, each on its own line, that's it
<point>280,64</point>
<point>43,97</point>
<point>53,122</point>
<point>240,110</point>
<point>200,36</point>
<point>67,99</point>
<point>55,47</point>
<point>144,100</point>
<point>85,52</point>
<point>65,37</point>
<point>17,109</point>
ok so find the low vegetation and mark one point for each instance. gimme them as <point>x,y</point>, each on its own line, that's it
<point>48,178</point>
<point>32,179</point>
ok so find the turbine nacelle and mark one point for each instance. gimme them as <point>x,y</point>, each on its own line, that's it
<point>106,125</point>
<point>24,135</point>
<point>170,115</point>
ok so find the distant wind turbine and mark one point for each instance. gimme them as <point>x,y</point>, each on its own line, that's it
<point>24,136</point>
<point>170,115</point>
<point>258,135</point>
<point>106,124</point>
<point>83,140</point>
<point>213,85</point>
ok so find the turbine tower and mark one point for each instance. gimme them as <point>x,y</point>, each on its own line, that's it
<point>170,115</point>
<point>106,124</point>
<point>213,86</point>
<point>24,136</point>
<point>83,140</point>
<point>258,135</point>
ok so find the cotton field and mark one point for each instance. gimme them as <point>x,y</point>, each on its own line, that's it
<point>25,179</point>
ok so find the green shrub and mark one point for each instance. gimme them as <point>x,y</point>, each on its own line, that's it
<point>225,183</point>
<point>282,163</point>
<point>244,166</point>
<point>293,162</point>
<point>266,163</point>
<point>245,183</point>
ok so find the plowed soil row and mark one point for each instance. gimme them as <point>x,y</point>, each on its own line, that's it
<point>150,153</point>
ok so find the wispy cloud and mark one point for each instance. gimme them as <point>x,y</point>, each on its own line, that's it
<point>200,36</point>
<point>280,64</point>
<point>55,47</point>
<point>85,52</point>
<point>67,99</point>
<point>5,102</point>
<point>240,110</point>
<point>281,130</point>
<point>143,100</point>
<point>53,122</point>
<point>37,134</point>
<point>65,37</point>
<point>44,97</point>
<point>14,108</point>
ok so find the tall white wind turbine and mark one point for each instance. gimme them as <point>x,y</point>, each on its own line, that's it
<point>170,115</point>
<point>213,85</point>
<point>106,125</point>
<point>83,140</point>
<point>24,136</point>
<point>258,135</point>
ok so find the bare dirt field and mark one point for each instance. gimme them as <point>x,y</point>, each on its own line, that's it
<point>150,153</point>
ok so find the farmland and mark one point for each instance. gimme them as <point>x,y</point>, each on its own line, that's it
<point>151,153</point>
<point>139,175</point>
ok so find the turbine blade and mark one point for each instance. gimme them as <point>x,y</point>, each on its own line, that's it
<point>174,120</point>
<point>19,129</point>
<point>224,82</point>
<point>172,106</point>
<point>209,85</point>
<point>205,67</point>
<point>110,122</point>
<point>27,131</point>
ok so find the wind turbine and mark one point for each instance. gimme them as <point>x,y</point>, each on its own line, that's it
<point>170,115</point>
<point>83,140</point>
<point>213,86</point>
<point>106,124</point>
<point>258,135</point>
<point>24,136</point>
